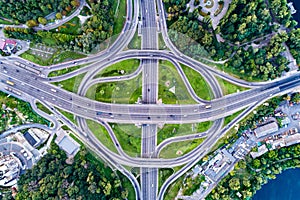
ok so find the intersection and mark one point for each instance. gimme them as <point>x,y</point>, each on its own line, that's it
<point>149,113</point>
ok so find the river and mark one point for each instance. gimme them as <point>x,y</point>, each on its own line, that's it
<point>286,186</point>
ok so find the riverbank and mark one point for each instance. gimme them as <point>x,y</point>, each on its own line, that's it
<point>284,187</point>
<point>296,16</point>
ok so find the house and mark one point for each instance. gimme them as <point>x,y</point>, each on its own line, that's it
<point>9,170</point>
<point>66,143</point>
<point>260,151</point>
<point>8,46</point>
<point>266,129</point>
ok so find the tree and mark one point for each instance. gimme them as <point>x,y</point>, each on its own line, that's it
<point>256,163</point>
<point>234,183</point>
<point>31,23</point>
<point>42,20</point>
<point>58,15</point>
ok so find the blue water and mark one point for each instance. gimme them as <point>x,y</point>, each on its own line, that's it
<point>286,186</point>
<point>296,16</point>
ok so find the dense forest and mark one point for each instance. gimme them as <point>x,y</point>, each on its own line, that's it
<point>86,178</point>
<point>245,21</point>
<point>294,44</point>
<point>96,29</point>
<point>33,11</point>
<point>251,36</point>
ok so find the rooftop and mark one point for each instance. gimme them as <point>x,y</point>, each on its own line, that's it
<point>65,142</point>
<point>266,129</point>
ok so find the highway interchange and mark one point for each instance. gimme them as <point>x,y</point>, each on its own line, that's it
<point>148,114</point>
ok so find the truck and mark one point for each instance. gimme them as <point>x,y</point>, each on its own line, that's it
<point>10,83</point>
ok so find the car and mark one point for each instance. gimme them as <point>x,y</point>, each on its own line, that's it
<point>148,90</point>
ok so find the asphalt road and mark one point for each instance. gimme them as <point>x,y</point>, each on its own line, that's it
<point>149,113</point>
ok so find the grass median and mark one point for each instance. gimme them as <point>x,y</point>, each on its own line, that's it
<point>129,137</point>
<point>173,130</point>
<point>229,88</point>
<point>122,68</point>
<point>198,83</point>
<point>171,88</point>
<point>117,92</point>
<point>101,134</point>
<point>178,149</point>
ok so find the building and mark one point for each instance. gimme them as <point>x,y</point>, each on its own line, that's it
<point>218,165</point>
<point>266,129</point>
<point>260,151</point>
<point>36,136</point>
<point>66,143</point>
<point>9,170</point>
<point>292,139</point>
<point>8,46</point>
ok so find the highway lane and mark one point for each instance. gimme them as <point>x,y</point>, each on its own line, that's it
<point>217,125</point>
<point>140,113</point>
<point>149,176</point>
<point>31,86</point>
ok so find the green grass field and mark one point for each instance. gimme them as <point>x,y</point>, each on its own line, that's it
<point>101,134</point>
<point>229,88</point>
<point>170,79</point>
<point>120,15</point>
<point>117,92</point>
<point>71,27</point>
<point>128,67</point>
<point>70,84</point>
<point>198,83</point>
<point>161,42</point>
<point>171,150</point>
<point>129,137</point>
<point>173,130</point>
<point>235,73</point>
<point>229,118</point>
<point>68,115</point>
<point>173,189</point>
<point>43,108</point>
<point>163,175</point>
<point>57,57</point>
<point>135,43</point>
<point>64,71</point>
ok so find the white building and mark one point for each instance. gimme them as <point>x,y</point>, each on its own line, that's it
<point>266,129</point>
